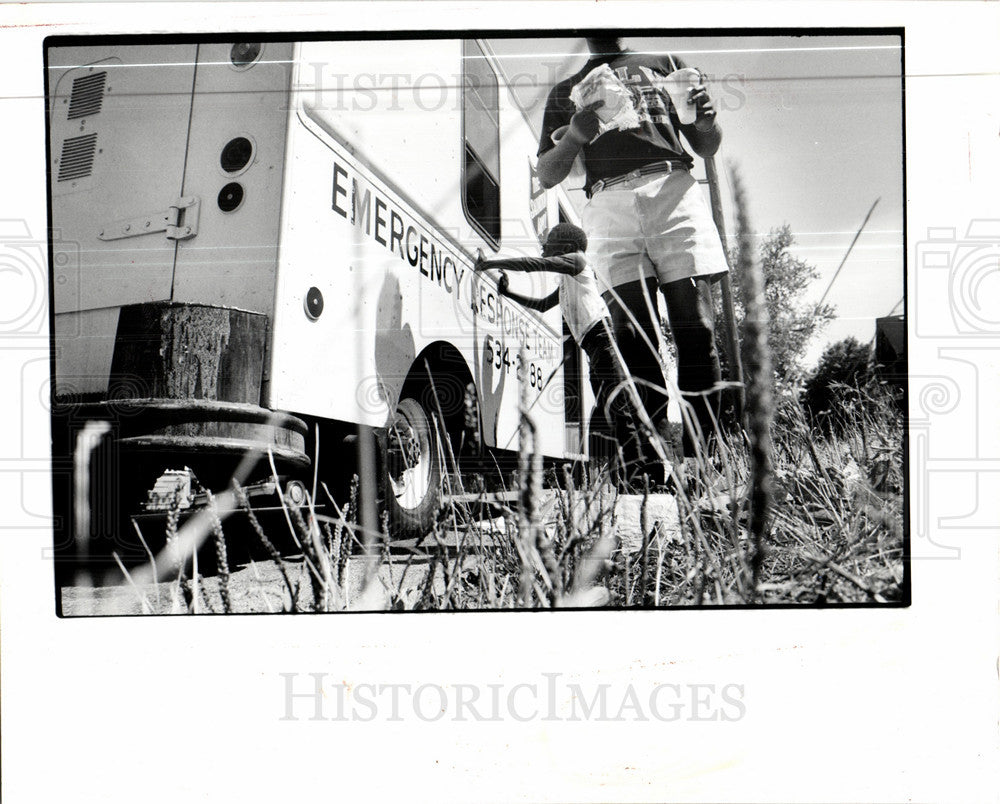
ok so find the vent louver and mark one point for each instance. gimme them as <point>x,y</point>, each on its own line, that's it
<point>87,95</point>
<point>77,160</point>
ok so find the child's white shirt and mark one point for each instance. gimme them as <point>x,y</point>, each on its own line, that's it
<point>580,300</point>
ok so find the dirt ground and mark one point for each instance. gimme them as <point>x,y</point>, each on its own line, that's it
<point>257,585</point>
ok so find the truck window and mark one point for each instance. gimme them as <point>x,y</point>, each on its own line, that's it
<point>481,134</point>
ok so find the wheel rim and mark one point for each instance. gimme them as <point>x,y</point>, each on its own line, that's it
<point>409,464</point>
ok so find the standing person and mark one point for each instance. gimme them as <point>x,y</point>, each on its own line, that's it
<point>589,322</point>
<point>647,221</point>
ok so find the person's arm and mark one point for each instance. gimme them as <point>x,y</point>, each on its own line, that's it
<point>555,164</point>
<point>704,134</point>
<point>542,305</point>
<point>570,264</point>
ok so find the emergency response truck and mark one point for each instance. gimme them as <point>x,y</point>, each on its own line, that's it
<point>254,239</point>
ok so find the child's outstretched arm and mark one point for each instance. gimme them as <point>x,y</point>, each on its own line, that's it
<point>542,305</point>
<point>570,264</point>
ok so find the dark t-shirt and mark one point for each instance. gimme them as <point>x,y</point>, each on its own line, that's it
<point>617,152</point>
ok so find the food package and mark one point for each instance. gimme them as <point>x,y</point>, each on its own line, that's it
<point>618,111</point>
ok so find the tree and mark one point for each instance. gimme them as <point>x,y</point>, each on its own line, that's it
<point>844,365</point>
<point>791,323</point>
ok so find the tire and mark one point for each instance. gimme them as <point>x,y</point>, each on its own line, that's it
<point>412,470</point>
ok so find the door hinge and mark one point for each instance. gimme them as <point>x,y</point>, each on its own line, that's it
<point>179,221</point>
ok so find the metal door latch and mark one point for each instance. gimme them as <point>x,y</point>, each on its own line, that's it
<point>179,221</point>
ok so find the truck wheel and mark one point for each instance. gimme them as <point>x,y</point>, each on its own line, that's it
<point>412,470</point>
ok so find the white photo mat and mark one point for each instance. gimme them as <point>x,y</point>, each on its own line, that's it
<point>845,705</point>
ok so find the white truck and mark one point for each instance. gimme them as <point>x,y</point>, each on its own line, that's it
<point>255,239</point>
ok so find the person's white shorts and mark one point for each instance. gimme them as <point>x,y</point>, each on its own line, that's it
<point>658,225</point>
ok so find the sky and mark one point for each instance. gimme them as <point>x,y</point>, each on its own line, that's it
<point>814,126</point>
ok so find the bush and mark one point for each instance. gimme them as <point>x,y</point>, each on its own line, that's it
<point>845,368</point>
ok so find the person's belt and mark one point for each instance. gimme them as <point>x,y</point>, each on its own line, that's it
<point>666,166</point>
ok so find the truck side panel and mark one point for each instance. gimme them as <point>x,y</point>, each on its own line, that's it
<point>373,220</point>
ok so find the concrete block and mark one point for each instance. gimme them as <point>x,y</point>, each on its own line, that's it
<point>661,513</point>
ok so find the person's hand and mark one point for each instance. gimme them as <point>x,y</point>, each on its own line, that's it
<point>704,108</point>
<point>480,261</point>
<point>503,283</point>
<point>585,124</point>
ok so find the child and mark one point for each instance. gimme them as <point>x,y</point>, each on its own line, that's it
<point>589,322</point>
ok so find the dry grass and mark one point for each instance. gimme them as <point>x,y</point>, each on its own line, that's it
<point>834,534</point>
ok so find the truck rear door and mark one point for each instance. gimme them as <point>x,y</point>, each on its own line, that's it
<point>118,120</point>
<point>119,124</point>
